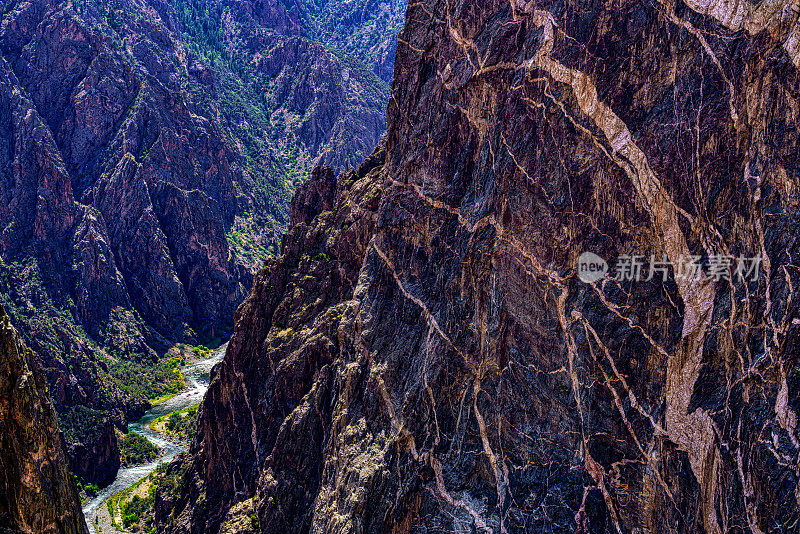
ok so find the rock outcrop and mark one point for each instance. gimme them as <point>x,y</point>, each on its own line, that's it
<point>92,445</point>
<point>37,491</point>
<point>424,357</point>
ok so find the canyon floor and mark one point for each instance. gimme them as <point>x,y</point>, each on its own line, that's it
<point>197,375</point>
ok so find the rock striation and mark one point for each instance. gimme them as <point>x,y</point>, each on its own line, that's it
<point>37,490</point>
<point>423,357</point>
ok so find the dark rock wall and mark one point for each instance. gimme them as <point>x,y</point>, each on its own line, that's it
<point>94,455</point>
<point>423,358</point>
<point>37,491</point>
<point>132,149</point>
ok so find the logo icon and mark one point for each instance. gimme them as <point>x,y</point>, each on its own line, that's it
<point>591,267</point>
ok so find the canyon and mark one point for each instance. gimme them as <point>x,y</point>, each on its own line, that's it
<point>421,350</point>
<point>148,152</point>
<point>422,355</point>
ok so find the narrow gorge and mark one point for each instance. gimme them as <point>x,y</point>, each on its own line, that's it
<point>549,290</point>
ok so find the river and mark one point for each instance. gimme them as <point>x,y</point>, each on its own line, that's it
<point>197,378</point>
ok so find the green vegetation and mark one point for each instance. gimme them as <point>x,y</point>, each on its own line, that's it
<point>135,449</point>
<point>156,382</point>
<point>132,509</point>
<point>82,424</point>
<point>170,484</point>
<point>163,398</point>
<point>198,352</point>
<point>112,510</point>
<point>373,86</point>
<point>247,246</point>
<point>201,352</point>
<point>112,371</point>
<point>244,97</point>
<point>89,489</point>
<point>48,326</point>
<point>179,426</point>
<point>247,117</point>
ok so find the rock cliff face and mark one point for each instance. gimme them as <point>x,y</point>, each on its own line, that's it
<point>148,150</point>
<point>37,491</point>
<point>423,357</point>
<point>91,444</point>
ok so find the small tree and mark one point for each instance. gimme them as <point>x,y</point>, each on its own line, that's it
<point>174,421</point>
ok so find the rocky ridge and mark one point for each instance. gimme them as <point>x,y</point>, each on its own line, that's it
<point>365,29</point>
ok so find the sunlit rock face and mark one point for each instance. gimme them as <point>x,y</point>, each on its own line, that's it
<point>37,491</point>
<point>424,356</point>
